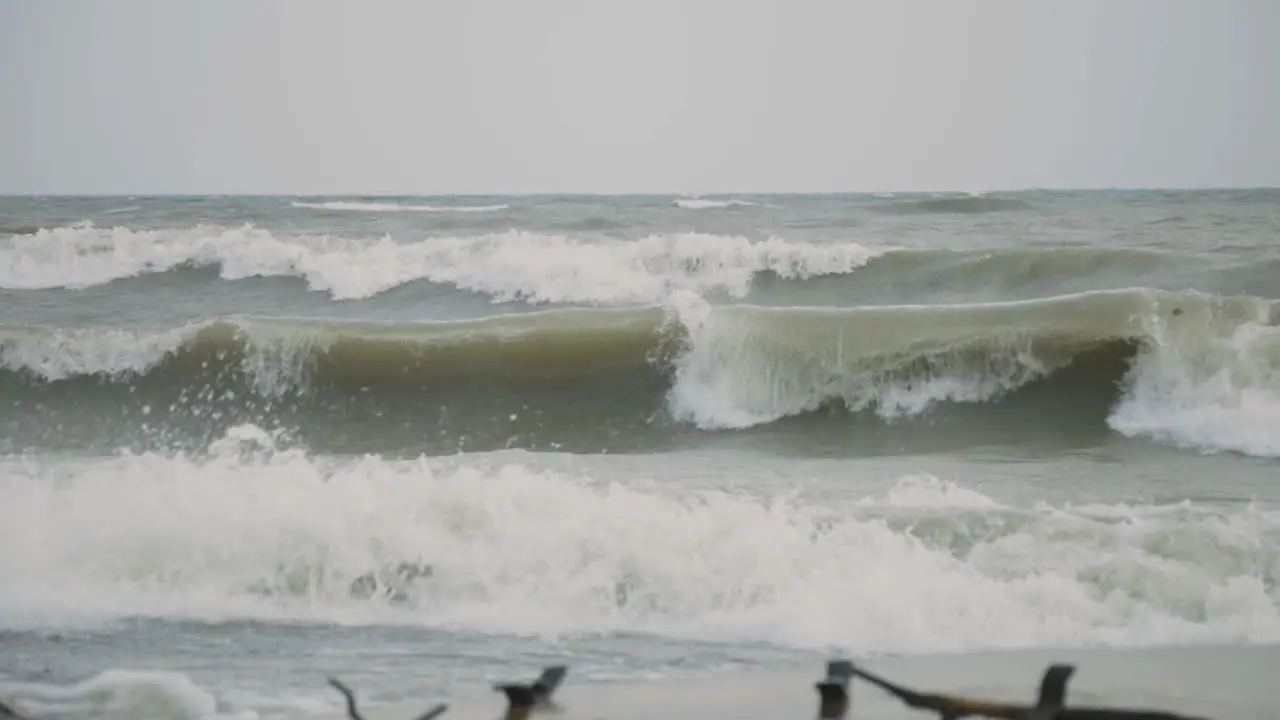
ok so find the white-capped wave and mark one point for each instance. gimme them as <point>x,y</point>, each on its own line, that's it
<point>709,204</point>
<point>56,354</point>
<point>1207,376</point>
<point>353,206</point>
<point>746,366</point>
<point>1209,379</point>
<point>253,531</point>
<point>512,266</point>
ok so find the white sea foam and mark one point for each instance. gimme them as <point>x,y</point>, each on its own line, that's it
<point>122,694</point>
<point>254,531</point>
<point>62,353</point>
<point>1208,382</point>
<point>510,266</point>
<point>709,204</point>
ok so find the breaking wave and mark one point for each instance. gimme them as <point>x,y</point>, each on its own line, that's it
<point>253,531</point>
<point>709,204</point>
<point>510,266</point>
<point>1200,371</point>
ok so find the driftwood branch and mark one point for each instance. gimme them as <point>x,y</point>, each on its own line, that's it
<point>525,699</point>
<point>833,690</point>
<point>1051,704</point>
<point>834,699</point>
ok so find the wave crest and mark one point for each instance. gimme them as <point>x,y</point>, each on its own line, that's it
<point>513,266</point>
<point>1202,371</point>
<point>711,204</point>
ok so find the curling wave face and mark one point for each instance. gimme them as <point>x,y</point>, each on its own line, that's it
<point>1186,368</point>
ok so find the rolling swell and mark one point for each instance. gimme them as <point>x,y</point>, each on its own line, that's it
<point>42,274</point>
<point>1187,368</point>
<point>959,204</point>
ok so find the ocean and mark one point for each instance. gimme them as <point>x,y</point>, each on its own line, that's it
<point>692,447</point>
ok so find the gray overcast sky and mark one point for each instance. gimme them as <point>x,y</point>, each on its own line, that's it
<point>476,96</point>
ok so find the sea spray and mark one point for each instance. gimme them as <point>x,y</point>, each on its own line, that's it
<point>251,531</point>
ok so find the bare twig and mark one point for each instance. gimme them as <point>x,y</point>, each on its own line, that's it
<point>354,713</point>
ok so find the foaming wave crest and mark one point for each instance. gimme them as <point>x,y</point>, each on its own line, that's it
<point>746,367</point>
<point>511,266</point>
<point>1210,381</point>
<point>709,204</point>
<point>1204,371</point>
<point>1181,367</point>
<point>58,354</point>
<point>251,530</point>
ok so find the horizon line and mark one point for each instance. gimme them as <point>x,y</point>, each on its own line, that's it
<point>709,193</point>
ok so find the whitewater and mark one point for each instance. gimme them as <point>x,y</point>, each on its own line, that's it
<point>662,439</point>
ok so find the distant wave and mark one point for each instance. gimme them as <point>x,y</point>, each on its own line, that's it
<point>706,204</point>
<point>541,268</point>
<point>510,266</point>
<point>972,203</point>
<point>343,205</point>
<point>1194,370</point>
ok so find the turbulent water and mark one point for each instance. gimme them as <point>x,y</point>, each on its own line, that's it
<point>660,434</point>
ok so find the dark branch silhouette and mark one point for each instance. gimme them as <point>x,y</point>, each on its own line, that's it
<point>834,699</point>
<point>833,690</point>
<point>354,713</point>
<point>1051,704</point>
<point>524,699</point>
